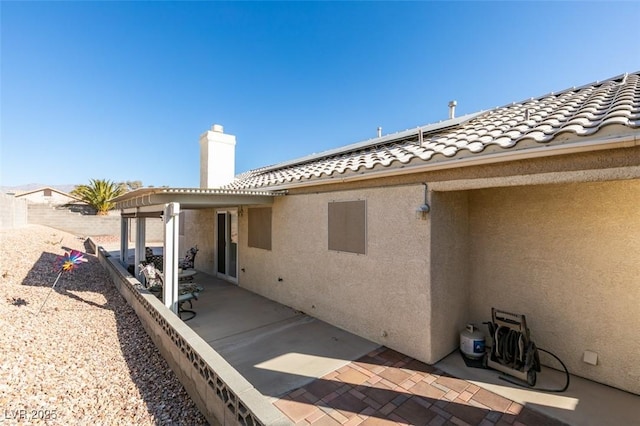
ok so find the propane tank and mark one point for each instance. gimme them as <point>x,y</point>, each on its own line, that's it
<point>472,342</point>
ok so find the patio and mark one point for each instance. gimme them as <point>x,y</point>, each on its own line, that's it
<point>313,371</point>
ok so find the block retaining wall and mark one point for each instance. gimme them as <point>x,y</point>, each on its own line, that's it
<point>222,394</point>
<point>13,212</point>
<point>89,225</point>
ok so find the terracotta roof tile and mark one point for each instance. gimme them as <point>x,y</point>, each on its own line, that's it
<point>579,111</point>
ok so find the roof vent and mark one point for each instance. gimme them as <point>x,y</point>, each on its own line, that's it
<point>217,128</point>
<point>379,132</point>
<point>452,109</point>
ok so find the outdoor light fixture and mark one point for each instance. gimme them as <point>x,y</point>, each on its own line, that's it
<point>421,212</point>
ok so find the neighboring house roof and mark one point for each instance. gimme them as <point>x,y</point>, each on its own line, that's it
<point>34,191</point>
<point>505,133</point>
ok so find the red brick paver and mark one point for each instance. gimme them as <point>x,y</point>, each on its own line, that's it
<point>388,388</point>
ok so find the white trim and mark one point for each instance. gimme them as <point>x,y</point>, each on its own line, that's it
<point>226,276</point>
<point>170,253</point>
<point>139,251</point>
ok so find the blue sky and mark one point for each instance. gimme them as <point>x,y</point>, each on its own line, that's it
<point>123,90</point>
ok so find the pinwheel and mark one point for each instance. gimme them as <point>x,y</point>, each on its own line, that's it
<point>71,260</point>
<point>67,263</point>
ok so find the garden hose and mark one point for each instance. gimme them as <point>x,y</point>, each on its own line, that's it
<point>510,350</point>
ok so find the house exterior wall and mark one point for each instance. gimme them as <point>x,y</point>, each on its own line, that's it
<point>55,199</point>
<point>382,295</point>
<point>199,230</point>
<point>449,270</point>
<point>564,244</point>
<point>566,256</point>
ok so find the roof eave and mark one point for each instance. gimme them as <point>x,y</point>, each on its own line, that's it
<point>622,141</point>
<point>191,198</point>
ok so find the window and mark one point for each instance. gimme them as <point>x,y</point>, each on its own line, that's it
<point>47,192</point>
<point>348,226</point>
<point>260,228</point>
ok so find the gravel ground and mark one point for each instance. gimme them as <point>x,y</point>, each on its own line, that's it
<point>85,358</point>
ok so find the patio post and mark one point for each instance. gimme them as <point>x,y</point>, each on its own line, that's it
<point>139,255</point>
<point>171,229</point>
<point>124,239</point>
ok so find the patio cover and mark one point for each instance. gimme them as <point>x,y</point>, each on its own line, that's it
<point>166,203</point>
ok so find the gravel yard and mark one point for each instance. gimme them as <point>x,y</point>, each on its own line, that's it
<point>85,358</point>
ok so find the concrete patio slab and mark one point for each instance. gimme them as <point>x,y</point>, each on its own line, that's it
<point>286,355</point>
<point>276,348</point>
<point>225,310</point>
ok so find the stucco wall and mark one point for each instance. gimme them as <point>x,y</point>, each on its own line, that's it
<point>199,230</point>
<point>449,271</point>
<point>564,254</point>
<point>382,295</point>
<point>567,257</point>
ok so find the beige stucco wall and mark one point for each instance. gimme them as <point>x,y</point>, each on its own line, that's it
<point>562,253</point>
<point>199,230</point>
<point>449,271</point>
<point>382,295</point>
<point>566,256</point>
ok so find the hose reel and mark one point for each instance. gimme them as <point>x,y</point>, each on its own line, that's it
<point>513,352</point>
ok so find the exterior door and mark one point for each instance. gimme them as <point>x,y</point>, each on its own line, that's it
<point>227,245</point>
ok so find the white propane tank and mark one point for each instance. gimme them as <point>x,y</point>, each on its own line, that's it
<point>472,342</point>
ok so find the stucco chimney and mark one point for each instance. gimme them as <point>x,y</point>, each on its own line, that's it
<point>217,157</point>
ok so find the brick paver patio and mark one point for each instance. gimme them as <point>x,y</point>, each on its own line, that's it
<point>388,388</point>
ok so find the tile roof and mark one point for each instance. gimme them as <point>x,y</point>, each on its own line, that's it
<point>532,123</point>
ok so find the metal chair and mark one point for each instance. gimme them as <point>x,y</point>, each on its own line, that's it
<point>189,258</point>
<point>154,282</point>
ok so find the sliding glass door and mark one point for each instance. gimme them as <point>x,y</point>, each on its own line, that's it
<point>227,245</point>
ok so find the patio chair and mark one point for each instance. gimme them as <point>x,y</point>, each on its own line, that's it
<point>156,259</point>
<point>189,258</point>
<point>186,292</point>
<point>152,277</point>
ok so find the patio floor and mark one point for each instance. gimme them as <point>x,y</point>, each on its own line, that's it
<point>318,374</point>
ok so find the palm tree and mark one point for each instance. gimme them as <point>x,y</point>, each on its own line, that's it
<point>98,193</point>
